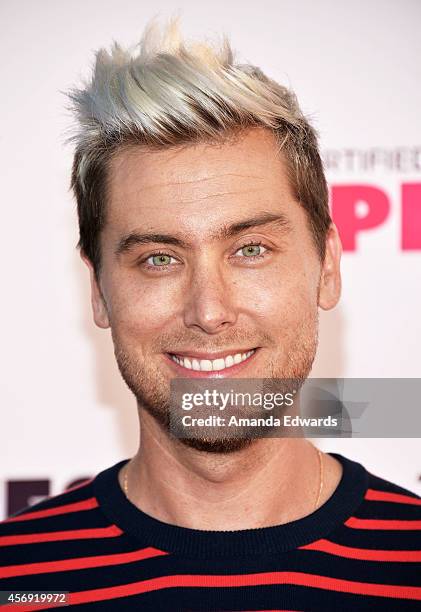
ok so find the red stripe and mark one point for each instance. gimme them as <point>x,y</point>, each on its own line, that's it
<point>399,498</point>
<point>363,553</point>
<point>243,580</point>
<point>53,536</point>
<point>46,567</point>
<point>86,504</point>
<point>394,524</point>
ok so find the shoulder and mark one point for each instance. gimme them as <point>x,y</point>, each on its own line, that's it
<point>377,513</point>
<point>73,515</point>
<point>388,518</point>
<point>384,491</point>
<point>384,499</point>
<point>55,504</point>
<point>374,488</point>
<point>72,508</point>
<point>42,541</point>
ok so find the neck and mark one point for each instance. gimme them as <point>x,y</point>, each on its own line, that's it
<point>271,482</point>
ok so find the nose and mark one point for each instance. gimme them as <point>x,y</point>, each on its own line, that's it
<point>209,304</point>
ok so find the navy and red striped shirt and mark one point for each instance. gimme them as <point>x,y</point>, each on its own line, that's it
<point>361,550</point>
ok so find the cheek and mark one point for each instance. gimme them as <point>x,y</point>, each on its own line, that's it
<point>141,309</point>
<point>283,297</point>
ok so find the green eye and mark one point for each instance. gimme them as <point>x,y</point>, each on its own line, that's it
<point>161,260</point>
<point>251,250</point>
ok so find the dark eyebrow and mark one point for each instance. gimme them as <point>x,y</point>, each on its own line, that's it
<point>280,220</point>
<point>126,243</point>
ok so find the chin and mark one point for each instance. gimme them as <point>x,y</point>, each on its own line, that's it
<point>222,446</point>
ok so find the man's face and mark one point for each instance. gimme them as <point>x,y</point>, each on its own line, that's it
<point>209,267</point>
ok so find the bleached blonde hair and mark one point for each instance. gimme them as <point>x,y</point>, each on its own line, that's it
<point>167,92</point>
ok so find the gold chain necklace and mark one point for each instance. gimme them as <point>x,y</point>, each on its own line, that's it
<point>319,454</point>
<point>125,482</point>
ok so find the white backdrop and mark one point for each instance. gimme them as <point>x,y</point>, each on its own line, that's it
<point>65,412</point>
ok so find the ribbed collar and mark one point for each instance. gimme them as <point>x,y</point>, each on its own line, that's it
<point>210,544</point>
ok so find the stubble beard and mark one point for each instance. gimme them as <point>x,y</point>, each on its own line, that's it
<point>152,390</point>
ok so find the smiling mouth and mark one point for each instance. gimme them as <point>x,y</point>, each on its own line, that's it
<point>211,365</point>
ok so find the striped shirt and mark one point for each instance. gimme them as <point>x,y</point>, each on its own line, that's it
<point>361,550</point>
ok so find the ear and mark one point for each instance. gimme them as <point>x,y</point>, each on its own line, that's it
<point>99,308</point>
<point>330,279</point>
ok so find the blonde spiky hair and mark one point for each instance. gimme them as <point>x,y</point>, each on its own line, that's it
<point>167,92</point>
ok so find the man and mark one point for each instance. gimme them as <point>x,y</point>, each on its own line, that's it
<point>204,224</point>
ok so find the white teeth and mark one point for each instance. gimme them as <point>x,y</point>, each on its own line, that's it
<point>229,361</point>
<point>218,364</point>
<point>207,365</point>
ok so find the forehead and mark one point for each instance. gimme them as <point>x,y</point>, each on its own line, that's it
<point>198,183</point>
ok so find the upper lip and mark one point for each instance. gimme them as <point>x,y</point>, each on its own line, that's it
<point>211,356</point>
